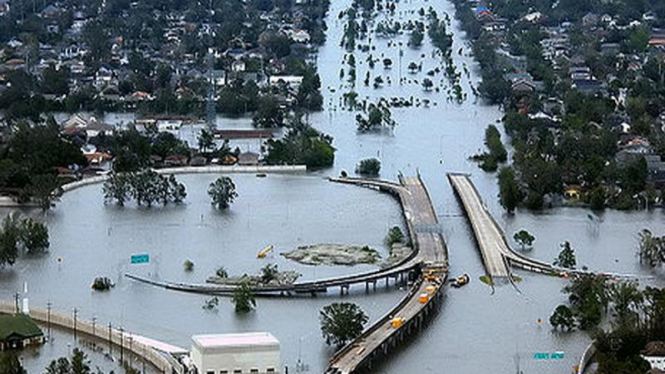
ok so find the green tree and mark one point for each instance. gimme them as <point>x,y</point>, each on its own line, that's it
<point>59,366</point>
<point>221,272</point>
<point>427,84</point>
<point>369,167</point>
<point>416,38</point>
<point>34,236</point>
<point>563,318</point>
<point>341,323</point>
<point>597,198</point>
<point>510,195</point>
<point>243,298</point>
<point>269,273</point>
<point>627,302</point>
<point>222,192</point>
<point>80,363</point>
<point>9,239</point>
<point>524,239</point>
<point>206,140</point>
<point>10,364</point>
<point>302,144</point>
<point>117,188</point>
<point>395,235</point>
<point>45,190</point>
<point>566,258</point>
<point>651,249</point>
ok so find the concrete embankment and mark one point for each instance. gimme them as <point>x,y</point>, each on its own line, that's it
<point>159,361</point>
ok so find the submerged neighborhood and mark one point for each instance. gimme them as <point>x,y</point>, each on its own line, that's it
<point>275,186</point>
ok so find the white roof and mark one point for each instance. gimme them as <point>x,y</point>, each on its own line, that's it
<point>235,340</point>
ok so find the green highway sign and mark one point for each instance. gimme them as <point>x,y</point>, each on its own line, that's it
<point>549,356</point>
<point>140,259</point>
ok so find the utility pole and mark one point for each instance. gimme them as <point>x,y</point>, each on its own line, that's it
<point>131,355</point>
<point>110,341</point>
<point>16,297</point>
<point>143,357</point>
<point>75,315</point>
<point>122,348</point>
<point>48,319</point>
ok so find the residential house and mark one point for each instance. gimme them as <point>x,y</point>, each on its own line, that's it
<point>91,126</point>
<point>588,87</point>
<point>248,159</point>
<point>654,354</point>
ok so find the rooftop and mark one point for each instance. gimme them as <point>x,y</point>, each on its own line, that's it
<point>19,325</point>
<point>234,340</point>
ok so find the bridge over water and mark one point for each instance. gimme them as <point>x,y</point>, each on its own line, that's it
<point>427,265</point>
<point>432,258</point>
<point>497,254</point>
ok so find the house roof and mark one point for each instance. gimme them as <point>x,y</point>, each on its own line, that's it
<point>655,348</point>
<point>18,325</point>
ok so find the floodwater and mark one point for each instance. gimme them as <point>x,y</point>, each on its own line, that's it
<point>477,329</point>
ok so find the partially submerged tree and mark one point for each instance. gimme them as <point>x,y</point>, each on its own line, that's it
<point>566,258</point>
<point>21,235</point>
<point>395,235</point>
<point>222,192</point>
<point>243,298</point>
<point>10,364</point>
<point>369,167</point>
<point>563,318</point>
<point>524,239</point>
<point>269,273</point>
<point>510,194</point>
<point>341,323</point>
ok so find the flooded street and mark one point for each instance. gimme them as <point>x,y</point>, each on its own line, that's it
<point>476,330</point>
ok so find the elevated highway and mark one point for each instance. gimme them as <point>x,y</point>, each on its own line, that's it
<point>497,254</point>
<point>427,267</point>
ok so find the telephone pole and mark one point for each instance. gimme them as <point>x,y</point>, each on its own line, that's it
<point>48,319</point>
<point>122,348</point>
<point>110,341</point>
<point>75,315</point>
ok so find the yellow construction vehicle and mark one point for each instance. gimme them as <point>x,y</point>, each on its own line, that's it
<point>265,251</point>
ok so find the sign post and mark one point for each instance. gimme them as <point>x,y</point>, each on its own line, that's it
<point>140,259</point>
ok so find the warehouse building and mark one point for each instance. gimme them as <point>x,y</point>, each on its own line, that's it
<point>249,353</point>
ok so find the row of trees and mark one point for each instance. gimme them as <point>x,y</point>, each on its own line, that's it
<point>146,187</point>
<point>378,117</point>
<point>21,235</point>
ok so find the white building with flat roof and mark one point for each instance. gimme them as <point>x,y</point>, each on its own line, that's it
<point>248,353</point>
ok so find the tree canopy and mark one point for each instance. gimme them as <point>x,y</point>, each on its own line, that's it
<point>341,323</point>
